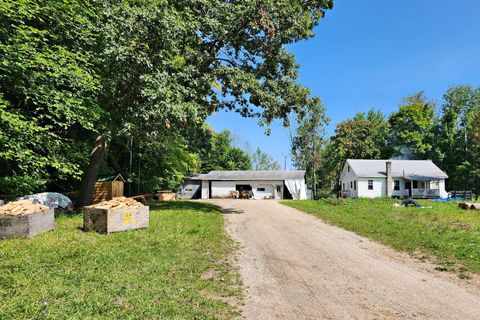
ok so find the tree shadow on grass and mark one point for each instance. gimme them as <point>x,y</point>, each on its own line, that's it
<point>185,205</point>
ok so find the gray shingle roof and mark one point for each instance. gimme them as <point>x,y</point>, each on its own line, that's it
<point>251,175</point>
<point>410,169</point>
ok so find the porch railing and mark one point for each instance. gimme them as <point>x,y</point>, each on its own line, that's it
<point>426,193</point>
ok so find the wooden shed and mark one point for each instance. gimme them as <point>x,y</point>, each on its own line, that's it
<point>106,188</point>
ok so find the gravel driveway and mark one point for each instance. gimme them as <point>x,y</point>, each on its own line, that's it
<point>297,267</point>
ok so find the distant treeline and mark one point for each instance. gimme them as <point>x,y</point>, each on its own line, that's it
<point>447,133</point>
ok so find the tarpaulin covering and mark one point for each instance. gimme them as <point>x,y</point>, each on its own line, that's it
<point>51,200</point>
<point>295,187</point>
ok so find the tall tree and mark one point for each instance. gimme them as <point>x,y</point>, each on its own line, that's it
<point>263,161</point>
<point>220,154</point>
<point>411,127</point>
<point>47,89</point>
<point>362,137</point>
<point>474,158</point>
<point>308,141</point>
<point>456,137</point>
<point>164,65</point>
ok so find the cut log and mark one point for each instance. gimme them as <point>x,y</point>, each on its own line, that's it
<point>475,206</point>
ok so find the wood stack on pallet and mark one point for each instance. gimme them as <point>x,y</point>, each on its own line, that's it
<point>118,214</point>
<point>166,196</point>
<point>21,207</point>
<point>467,205</point>
<point>24,219</point>
<point>117,203</point>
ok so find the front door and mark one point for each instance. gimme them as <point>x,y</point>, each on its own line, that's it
<point>408,186</point>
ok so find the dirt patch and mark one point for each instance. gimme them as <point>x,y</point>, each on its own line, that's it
<point>210,274</point>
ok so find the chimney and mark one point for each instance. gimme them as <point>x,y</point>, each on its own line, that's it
<point>389,178</point>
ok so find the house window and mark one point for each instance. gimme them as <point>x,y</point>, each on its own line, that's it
<point>396,185</point>
<point>422,184</point>
<point>370,184</point>
<point>351,184</point>
<point>343,186</point>
<point>260,189</point>
<point>348,168</point>
<point>415,184</point>
<point>188,189</point>
<point>355,185</point>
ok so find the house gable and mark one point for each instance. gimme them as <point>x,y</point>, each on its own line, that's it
<point>346,173</point>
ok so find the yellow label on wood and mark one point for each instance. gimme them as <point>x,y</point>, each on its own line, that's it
<point>127,217</point>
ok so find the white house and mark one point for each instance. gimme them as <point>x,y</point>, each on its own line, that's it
<point>392,178</point>
<point>263,184</point>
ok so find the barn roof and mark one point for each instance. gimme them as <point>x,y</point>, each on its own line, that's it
<point>409,169</point>
<point>251,175</point>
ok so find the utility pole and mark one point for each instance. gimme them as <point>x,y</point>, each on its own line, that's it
<point>130,173</point>
<point>139,161</point>
<point>314,173</point>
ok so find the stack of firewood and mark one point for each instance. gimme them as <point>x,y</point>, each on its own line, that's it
<point>234,194</point>
<point>21,207</point>
<point>117,203</point>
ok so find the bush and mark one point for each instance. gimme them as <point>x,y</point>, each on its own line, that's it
<point>14,186</point>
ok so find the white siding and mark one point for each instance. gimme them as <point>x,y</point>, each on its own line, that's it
<point>379,185</point>
<point>379,188</point>
<point>205,191</point>
<point>348,179</point>
<point>398,193</point>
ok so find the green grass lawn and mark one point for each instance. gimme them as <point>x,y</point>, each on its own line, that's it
<point>445,231</point>
<point>155,273</point>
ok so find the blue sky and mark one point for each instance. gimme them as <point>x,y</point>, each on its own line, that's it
<point>372,54</point>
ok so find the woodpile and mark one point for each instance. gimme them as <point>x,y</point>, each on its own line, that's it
<point>117,203</point>
<point>166,196</point>
<point>234,194</point>
<point>467,205</point>
<point>246,194</point>
<point>118,214</point>
<point>21,207</point>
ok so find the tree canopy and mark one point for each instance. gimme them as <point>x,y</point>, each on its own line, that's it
<point>47,85</point>
<point>263,161</point>
<point>456,146</point>
<point>411,135</point>
<point>83,78</point>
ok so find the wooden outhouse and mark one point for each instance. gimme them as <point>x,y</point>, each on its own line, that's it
<point>106,188</point>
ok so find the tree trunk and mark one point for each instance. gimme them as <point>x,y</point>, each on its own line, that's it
<point>90,175</point>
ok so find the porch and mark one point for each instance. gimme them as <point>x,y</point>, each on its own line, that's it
<point>422,189</point>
